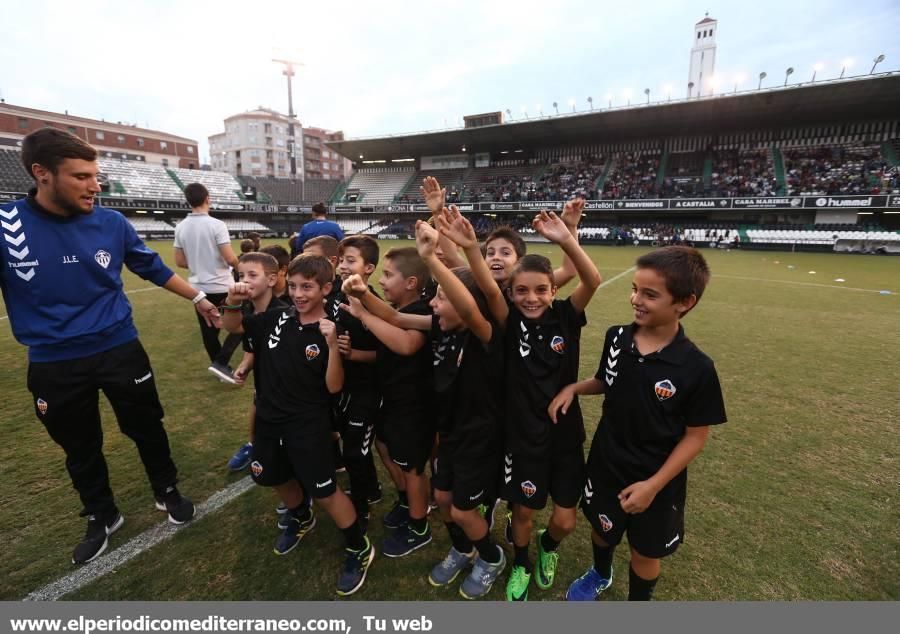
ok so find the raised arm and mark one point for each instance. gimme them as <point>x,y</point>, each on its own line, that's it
<point>405,342</point>
<point>453,288</point>
<point>454,226</point>
<point>334,373</point>
<point>436,197</point>
<point>554,229</point>
<point>354,286</point>
<point>571,215</point>
<point>232,318</point>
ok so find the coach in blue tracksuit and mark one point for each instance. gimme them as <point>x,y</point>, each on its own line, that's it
<point>60,274</point>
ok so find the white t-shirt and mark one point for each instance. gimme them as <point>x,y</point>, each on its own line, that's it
<point>199,236</point>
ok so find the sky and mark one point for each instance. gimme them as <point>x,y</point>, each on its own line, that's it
<point>392,67</point>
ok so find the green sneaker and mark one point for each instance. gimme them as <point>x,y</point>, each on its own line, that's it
<point>546,564</point>
<point>517,586</point>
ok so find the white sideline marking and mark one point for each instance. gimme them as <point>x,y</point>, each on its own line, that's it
<point>763,279</point>
<point>137,290</point>
<point>615,277</point>
<point>109,561</point>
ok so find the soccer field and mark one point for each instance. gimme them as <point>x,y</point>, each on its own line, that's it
<point>796,497</point>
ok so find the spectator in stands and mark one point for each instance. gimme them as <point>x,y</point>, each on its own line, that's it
<point>63,292</point>
<point>318,226</point>
<point>202,244</point>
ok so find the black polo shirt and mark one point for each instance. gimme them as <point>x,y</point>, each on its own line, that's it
<point>357,376</point>
<point>650,401</point>
<point>402,378</point>
<point>333,298</point>
<point>541,358</point>
<point>468,381</point>
<point>275,303</point>
<point>290,364</point>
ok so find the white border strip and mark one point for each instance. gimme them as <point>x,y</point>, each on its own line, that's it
<point>108,562</point>
<point>615,277</point>
<point>763,279</point>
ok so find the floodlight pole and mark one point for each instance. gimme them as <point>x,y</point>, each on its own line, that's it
<point>292,142</point>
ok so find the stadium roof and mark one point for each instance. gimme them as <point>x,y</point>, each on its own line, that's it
<point>858,99</point>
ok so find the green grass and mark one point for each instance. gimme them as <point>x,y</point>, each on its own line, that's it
<point>795,498</point>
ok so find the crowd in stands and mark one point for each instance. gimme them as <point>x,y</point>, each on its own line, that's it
<point>634,176</point>
<point>743,173</point>
<point>837,171</point>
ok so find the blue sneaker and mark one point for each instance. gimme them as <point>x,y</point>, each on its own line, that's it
<point>398,516</point>
<point>405,541</point>
<point>588,586</point>
<point>241,458</point>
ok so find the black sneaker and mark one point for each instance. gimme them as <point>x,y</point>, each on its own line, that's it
<point>406,541</point>
<point>374,497</point>
<point>179,508</point>
<point>356,565</point>
<point>223,372</point>
<point>398,516</point>
<point>99,528</point>
<point>295,530</point>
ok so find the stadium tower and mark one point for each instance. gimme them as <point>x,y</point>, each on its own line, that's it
<point>703,57</point>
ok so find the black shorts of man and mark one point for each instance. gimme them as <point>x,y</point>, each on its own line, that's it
<point>662,395</point>
<point>60,275</point>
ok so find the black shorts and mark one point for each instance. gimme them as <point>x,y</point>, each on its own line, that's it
<point>655,533</point>
<point>472,480</point>
<point>289,451</point>
<point>527,480</point>
<point>408,431</point>
<point>356,414</point>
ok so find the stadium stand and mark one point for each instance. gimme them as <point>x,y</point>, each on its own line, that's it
<point>633,175</point>
<point>222,187</point>
<point>141,180</point>
<point>835,170</point>
<point>497,184</point>
<point>450,179</point>
<point>378,185</point>
<point>281,191</point>
<point>742,173</point>
<point>13,176</point>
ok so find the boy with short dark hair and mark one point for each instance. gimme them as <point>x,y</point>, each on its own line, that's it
<point>405,426</point>
<point>284,259</point>
<point>662,394</point>
<point>358,406</point>
<point>299,367</point>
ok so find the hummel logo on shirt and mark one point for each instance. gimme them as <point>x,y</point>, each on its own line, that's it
<point>674,539</point>
<point>322,485</point>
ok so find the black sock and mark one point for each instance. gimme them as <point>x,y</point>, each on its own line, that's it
<point>603,557</point>
<point>548,543</point>
<point>418,525</point>
<point>639,589</point>
<point>487,550</point>
<point>401,497</point>
<point>522,557</point>
<point>458,537</point>
<point>354,537</point>
<point>302,512</point>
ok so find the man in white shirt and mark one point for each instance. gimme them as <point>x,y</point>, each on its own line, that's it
<point>202,244</point>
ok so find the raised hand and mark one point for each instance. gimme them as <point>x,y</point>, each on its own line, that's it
<point>354,307</point>
<point>434,194</point>
<point>344,345</point>
<point>551,227</point>
<point>354,286</point>
<point>329,331</point>
<point>571,214</point>
<point>238,292</point>
<point>456,227</point>
<point>426,239</point>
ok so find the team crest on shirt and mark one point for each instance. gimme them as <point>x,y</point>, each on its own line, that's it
<point>664,389</point>
<point>102,258</point>
<point>528,488</point>
<point>312,351</point>
<point>42,406</point>
<point>256,468</point>
<point>605,523</point>
<point>558,344</point>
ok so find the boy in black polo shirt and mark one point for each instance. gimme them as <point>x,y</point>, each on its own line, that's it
<point>662,394</point>
<point>358,406</point>
<point>542,341</point>
<point>298,368</point>
<point>405,421</point>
